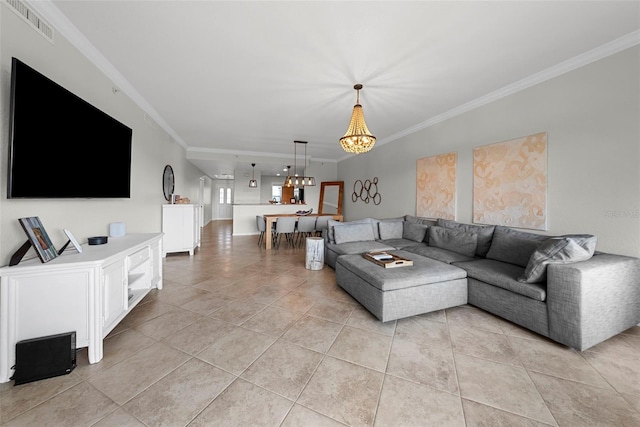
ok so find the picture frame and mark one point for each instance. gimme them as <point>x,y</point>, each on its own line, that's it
<point>292,200</point>
<point>38,238</point>
<point>73,240</point>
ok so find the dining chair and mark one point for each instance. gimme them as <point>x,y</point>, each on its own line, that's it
<point>284,226</point>
<point>321,224</point>
<point>261,224</point>
<point>306,227</point>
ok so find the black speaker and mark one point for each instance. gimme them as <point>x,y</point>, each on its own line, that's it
<point>44,357</point>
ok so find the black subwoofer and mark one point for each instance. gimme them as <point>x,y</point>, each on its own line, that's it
<point>44,357</point>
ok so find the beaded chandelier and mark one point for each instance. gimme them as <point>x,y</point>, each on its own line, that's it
<point>358,138</point>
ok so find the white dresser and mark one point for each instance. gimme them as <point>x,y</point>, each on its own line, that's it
<point>88,292</point>
<point>181,228</point>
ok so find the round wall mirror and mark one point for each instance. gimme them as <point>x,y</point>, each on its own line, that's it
<point>168,183</point>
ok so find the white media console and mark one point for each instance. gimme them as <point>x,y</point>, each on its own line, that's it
<point>88,292</point>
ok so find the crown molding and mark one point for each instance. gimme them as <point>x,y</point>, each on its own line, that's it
<point>62,24</point>
<point>221,151</point>
<point>603,51</point>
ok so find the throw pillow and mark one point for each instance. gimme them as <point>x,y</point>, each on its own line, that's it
<point>558,250</point>
<point>414,231</point>
<point>390,230</point>
<point>332,223</point>
<point>513,246</point>
<point>353,233</point>
<point>458,241</point>
<point>484,232</point>
<point>330,226</point>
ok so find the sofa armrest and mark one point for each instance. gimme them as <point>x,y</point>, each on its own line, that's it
<point>593,300</point>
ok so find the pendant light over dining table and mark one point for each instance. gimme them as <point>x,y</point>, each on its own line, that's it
<point>358,139</point>
<point>295,180</point>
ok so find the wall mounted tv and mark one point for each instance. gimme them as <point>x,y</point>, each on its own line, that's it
<point>60,146</point>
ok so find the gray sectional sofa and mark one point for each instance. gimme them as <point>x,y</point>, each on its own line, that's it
<point>556,286</point>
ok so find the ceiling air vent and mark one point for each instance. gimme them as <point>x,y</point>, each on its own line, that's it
<point>25,12</point>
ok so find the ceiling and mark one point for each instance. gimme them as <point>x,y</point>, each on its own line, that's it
<point>236,82</point>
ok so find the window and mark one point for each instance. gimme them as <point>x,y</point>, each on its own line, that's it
<point>221,200</point>
<point>228,196</point>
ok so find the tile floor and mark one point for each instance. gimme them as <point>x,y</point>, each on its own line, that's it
<point>240,337</point>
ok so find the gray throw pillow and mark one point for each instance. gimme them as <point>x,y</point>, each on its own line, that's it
<point>353,233</point>
<point>330,226</point>
<point>390,230</point>
<point>558,250</point>
<point>332,223</point>
<point>484,232</point>
<point>513,246</point>
<point>458,241</point>
<point>414,231</point>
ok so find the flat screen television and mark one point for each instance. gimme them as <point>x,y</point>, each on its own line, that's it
<point>60,146</point>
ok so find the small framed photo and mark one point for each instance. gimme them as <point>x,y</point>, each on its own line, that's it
<point>292,200</point>
<point>73,240</point>
<point>39,238</point>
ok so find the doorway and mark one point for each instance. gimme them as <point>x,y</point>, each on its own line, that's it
<point>223,197</point>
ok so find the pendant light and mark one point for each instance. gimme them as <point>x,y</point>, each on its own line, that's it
<point>308,181</point>
<point>288,181</point>
<point>252,182</point>
<point>295,180</point>
<point>358,139</point>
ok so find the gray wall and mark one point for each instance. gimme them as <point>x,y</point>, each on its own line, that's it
<point>591,116</point>
<point>152,148</point>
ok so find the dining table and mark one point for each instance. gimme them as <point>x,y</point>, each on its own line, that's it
<point>270,220</point>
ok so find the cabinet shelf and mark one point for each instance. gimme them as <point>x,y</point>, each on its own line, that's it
<point>136,279</point>
<point>134,297</point>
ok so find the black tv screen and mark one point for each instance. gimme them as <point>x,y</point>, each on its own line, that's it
<point>60,146</point>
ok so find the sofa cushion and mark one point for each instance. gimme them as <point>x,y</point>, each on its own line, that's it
<point>414,231</point>
<point>438,254</point>
<point>420,220</point>
<point>353,233</point>
<point>458,241</point>
<point>513,246</point>
<point>394,219</point>
<point>484,232</point>
<point>505,276</point>
<point>558,250</point>
<point>390,230</point>
<point>333,223</point>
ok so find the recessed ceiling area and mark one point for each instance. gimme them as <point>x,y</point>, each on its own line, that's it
<point>236,82</point>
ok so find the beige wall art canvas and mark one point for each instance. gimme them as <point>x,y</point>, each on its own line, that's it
<point>510,183</point>
<point>436,186</point>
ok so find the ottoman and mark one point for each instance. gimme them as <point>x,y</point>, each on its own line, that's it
<point>393,293</point>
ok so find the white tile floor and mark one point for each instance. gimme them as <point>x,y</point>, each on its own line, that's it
<point>240,337</point>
